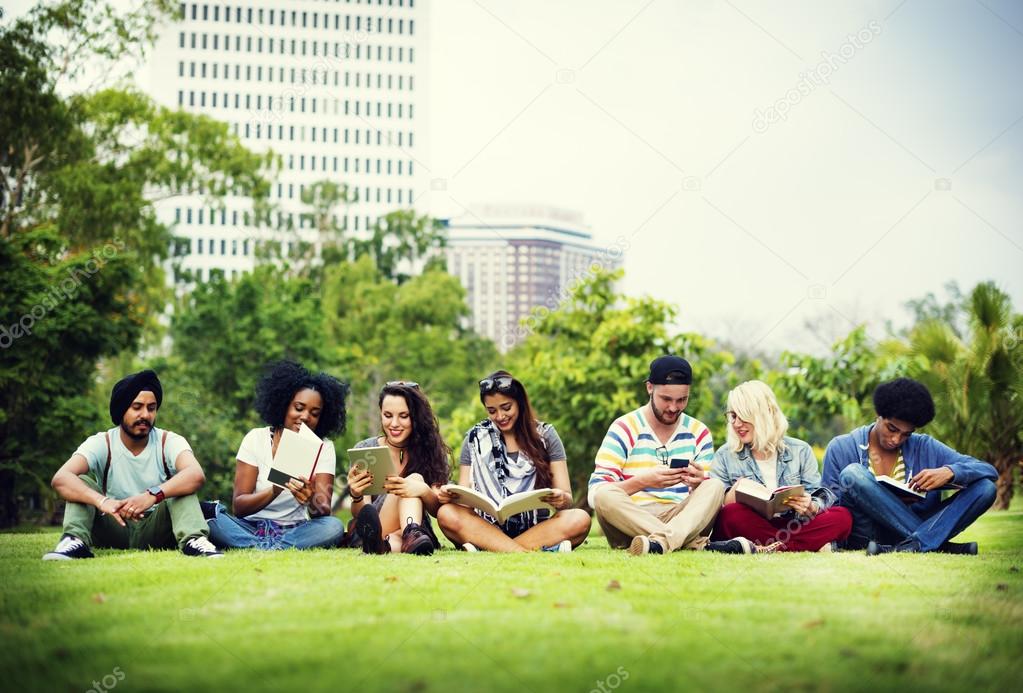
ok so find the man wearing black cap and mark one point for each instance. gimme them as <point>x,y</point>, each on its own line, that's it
<point>648,487</point>
<point>132,487</point>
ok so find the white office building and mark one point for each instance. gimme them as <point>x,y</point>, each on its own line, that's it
<point>335,87</point>
<point>512,259</point>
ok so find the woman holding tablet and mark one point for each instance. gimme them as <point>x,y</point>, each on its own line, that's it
<point>758,449</point>
<point>399,519</point>
<point>266,516</point>
<point>511,452</point>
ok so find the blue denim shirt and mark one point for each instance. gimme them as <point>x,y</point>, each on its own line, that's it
<point>919,452</point>
<point>796,465</point>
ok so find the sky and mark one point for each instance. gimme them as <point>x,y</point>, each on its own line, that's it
<point>779,172</point>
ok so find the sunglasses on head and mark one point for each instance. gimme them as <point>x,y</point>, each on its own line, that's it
<point>402,383</point>
<point>501,383</point>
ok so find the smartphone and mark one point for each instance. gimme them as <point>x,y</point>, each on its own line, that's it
<point>679,464</point>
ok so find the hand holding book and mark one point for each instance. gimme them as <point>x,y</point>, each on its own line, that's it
<point>300,488</point>
<point>930,479</point>
<point>558,499</point>
<point>803,505</point>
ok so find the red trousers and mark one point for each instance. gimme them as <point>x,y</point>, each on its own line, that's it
<point>795,534</point>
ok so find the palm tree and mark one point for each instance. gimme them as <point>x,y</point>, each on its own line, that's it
<point>977,382</point>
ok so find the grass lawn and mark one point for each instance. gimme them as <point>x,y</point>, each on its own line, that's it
<point>592,620</point>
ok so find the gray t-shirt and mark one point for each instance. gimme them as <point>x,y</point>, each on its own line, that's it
<point>555,448</point>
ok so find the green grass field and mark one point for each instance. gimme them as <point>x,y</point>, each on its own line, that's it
<point>592,620</point>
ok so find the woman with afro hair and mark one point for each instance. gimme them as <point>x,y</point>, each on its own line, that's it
<point>266,516</point>
<point>891,447</point>
<point>399,520</point>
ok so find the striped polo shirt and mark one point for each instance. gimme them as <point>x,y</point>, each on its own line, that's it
<point>630,447</point>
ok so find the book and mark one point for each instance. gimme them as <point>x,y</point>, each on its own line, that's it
<point>377,461</point>
<point>297,456</point>
<point>902,490</point>
<point>762,499</point>
<point>899,488</point>
<point>512,505</point>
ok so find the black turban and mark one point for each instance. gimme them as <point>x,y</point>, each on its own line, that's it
<point>128,388</point>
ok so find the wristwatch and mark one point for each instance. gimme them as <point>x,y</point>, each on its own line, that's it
<point>157,492</point>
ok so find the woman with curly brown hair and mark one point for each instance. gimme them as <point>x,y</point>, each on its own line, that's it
<point>266,516</point>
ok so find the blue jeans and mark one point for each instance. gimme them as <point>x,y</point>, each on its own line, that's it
<point>878,515</point>
<point>230,532</point>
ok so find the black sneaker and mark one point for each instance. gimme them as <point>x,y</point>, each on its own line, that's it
<point>69,548</point>
<point>643,545</point>
<point>367,526</point>
<point>201,546</point>
<point>966,549</point>
<point>737,545</point>
<point>415,540</point>
<point>875,549</point>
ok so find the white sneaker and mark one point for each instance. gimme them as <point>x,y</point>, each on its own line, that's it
<point>471,548</point>
<point>201,546</point>
<point>563,546</point>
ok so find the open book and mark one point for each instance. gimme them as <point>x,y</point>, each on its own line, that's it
<point>297,455</point>
<point>899,488</point>
<point>762,499</point>
<point>512,505</point>
<point>377,461</point>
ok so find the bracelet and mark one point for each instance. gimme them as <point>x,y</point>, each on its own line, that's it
<point>357,500</point>
<point>102,501</point>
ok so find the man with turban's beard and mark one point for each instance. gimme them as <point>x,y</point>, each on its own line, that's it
<point>133,486</point>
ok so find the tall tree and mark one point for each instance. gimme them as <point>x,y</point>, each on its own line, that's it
<point>382,331</point>
<point>223,333</point>
<point>80,242</point>
<point>977,382</point>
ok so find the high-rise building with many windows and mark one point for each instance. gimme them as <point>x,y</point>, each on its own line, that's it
<point>335,87</point>
<point>513,259</point>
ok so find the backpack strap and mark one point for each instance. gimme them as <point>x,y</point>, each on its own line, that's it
<point>163,454</point>
<point>106,469</point>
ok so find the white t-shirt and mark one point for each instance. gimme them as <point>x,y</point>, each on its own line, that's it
<point>256,450</point>
<point>769,471</point>
<point>131,474</point>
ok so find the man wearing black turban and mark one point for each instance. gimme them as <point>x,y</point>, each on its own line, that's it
<point>142,481</point>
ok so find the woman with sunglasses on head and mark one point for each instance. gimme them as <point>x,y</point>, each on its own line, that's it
<point>758,449</point>
<point>266,516</point>
<point>399,520</point>
<point>511,452</point>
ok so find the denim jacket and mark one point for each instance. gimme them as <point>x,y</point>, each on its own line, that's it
<point>796,465</point>
<point>919,452</point>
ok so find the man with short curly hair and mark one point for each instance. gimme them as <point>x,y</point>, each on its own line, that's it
<point>884,521</point>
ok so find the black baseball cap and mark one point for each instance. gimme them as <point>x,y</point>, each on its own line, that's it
<point>670,370</point>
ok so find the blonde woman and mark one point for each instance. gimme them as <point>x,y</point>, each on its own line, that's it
<point>758,449</point>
